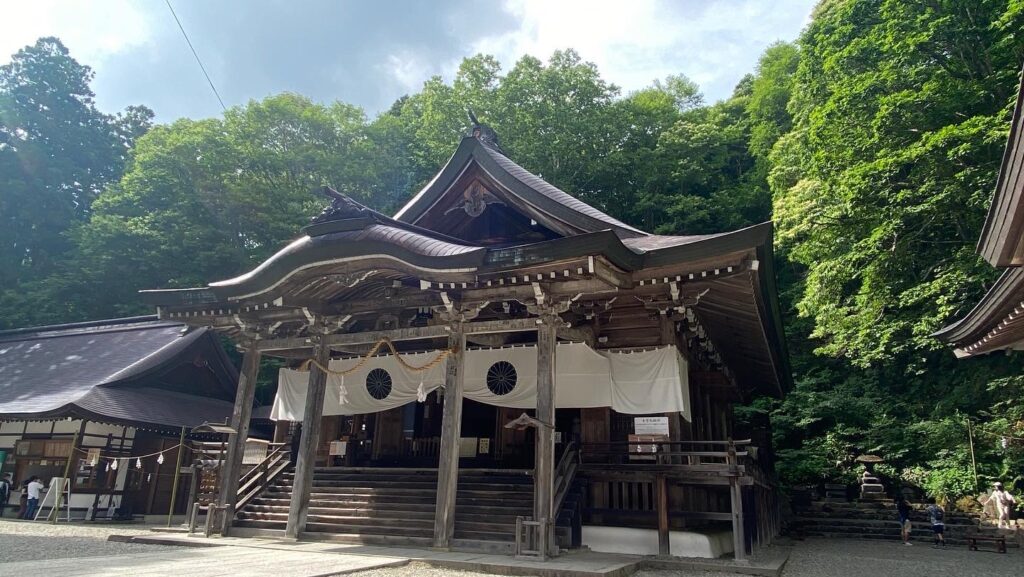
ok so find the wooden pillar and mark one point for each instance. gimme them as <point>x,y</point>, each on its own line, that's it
<point>240,417</point>
<point>661,488</point>
<point>736,495</point>
<point>544,464</point>
<point>298,509</point>
<point>451,432</point>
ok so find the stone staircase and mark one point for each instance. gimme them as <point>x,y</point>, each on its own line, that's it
<point>396,506</point>
<point>877,520</point>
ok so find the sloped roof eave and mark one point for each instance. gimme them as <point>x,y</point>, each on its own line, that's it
<point>1006,294</point>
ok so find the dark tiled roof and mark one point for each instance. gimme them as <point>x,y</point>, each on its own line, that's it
<point>105,371</point>
<point>642,244</point>
<point>556,194</point>
<point>528,188</point>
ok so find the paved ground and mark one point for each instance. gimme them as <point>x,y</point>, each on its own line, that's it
<point>72,551</point>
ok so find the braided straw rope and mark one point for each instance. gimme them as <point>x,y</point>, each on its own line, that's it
<point>441,355</point>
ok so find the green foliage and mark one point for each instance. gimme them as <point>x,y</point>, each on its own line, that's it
<point>57,152</point>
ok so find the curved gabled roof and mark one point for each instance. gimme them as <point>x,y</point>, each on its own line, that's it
<point>373,241</point>
<point>529,188</point>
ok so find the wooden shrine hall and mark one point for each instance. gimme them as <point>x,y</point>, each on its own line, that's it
<point>501,366</point>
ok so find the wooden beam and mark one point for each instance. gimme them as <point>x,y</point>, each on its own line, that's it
<point>544,465</point>
<point>298,509</point>
<point>403,334</point>
<point>451,431</point>
<point>240,417</point>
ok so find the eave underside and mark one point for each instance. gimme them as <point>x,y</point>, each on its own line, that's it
<point>996,323</point>
<point>609,307</point>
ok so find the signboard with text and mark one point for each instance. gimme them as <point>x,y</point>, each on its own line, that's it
<point>650,425</point>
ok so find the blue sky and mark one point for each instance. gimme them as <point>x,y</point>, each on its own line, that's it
<point>371,53</point>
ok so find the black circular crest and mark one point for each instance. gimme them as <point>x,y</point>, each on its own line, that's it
<point>501,378</point>
<point>378,384</point>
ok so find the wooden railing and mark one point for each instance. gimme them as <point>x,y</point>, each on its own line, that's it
<point>630,483</point>
<point>565,474</point>
<point>421,447</point>
<point>256,480</point>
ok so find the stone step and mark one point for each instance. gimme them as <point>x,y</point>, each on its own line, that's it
<point>313,526</point>
<point>821,521</point>
<point>920,540</point>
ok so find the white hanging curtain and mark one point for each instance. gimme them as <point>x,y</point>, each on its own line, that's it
<point>640,383</point>
<point>290,402</point>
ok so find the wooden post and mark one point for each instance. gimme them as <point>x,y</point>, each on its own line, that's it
<point>298,509</point>
<point>544,464</point>
<point>67,472</point>
<point>970,441</point>
<point>177,476</point>
<point>661,487</point>
<point>451,431</point>
<point>735,492</point>
<point>240,417</point>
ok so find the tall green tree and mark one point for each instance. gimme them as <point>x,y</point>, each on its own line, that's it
<point>57,152</point>
<point>900,111</point>
<point>204,200</point>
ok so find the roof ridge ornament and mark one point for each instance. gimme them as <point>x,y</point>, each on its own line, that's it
<point>482,132</point>
<point>341,208</point>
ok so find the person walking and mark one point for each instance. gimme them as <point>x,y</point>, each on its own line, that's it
<point>5,492</point>
<point>936,516</point>
<point>34,488</point>
<point>903,514</point>
<point>1004,502</point>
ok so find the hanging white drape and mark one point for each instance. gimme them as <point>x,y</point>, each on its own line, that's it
<point>290,402</point>
<point>639,383</point>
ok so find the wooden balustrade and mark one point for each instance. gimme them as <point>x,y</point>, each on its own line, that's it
<point>255,480</point>
<point>421,447</point>
<point>631,491</point>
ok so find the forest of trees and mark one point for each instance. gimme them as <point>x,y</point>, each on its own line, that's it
<point>873,141</point>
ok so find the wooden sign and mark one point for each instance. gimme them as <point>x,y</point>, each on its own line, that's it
<point>338,448</point>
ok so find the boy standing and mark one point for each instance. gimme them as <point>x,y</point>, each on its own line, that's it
<point>936,516</point>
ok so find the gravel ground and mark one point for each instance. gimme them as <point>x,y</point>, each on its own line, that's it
<point>825,558</point>
<point>31,541</point>
<point>415,569</point>
<point>862,558</point>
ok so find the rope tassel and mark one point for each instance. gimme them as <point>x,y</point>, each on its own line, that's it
<point>342,392</point>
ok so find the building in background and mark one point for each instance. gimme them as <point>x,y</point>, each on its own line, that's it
<point>112,390</point>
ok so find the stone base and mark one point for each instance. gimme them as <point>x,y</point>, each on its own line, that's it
<point>632,541</point>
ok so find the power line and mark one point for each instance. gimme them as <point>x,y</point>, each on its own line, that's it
<point>196,54</point>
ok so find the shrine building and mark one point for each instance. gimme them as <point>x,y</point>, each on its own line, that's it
<point>500,366</point>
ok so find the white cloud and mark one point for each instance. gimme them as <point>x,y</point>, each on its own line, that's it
<point>93,31</point>
<point>634,43</point>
